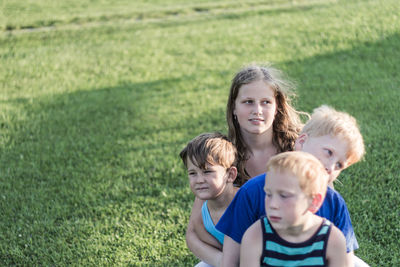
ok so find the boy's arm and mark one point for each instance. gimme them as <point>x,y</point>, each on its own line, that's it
<point>251,247</point>
<point>231,252</point>
<point>350,259</point>
<point>336,250</point>
<point>206,251</point>
<point>246,208</point>
<point>335,209</point>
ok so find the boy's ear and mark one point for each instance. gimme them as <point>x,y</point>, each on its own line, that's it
<point>300,141</point>
<point>316,203</point>
<point>232,174</point>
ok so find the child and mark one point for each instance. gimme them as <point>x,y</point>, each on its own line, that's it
<point>261,123</point>
<point>261,120</point>
<point>210,160</point>
<point>291,234</point>
<point>332,137</point>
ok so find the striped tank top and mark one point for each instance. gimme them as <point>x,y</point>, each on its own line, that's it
<point>279,252</point>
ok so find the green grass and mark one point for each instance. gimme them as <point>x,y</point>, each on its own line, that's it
<point>95,109</point>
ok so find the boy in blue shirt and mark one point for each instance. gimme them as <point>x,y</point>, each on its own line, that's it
<point>332,137</point>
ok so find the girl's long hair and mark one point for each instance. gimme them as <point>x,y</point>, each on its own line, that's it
<point>287,123</point>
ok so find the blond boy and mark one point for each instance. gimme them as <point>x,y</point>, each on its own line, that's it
<point>291,234</point>
<point>331,136</point>
<point>211,161</point>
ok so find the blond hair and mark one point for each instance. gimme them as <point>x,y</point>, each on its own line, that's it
<point>310,172</point>
<point>287,123</point>
<point>328,121</point>
<point>211,148</point>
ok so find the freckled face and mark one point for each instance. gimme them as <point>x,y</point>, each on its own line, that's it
<point>255,108</point>
<point>285,202</point>
<point>207,183</point>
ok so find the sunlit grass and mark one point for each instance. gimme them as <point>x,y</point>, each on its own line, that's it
<point>93,115</point>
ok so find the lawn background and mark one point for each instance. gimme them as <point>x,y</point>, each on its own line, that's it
<point>97,98</point>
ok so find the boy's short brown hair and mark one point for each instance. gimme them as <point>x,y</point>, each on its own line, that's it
<point>211,148</point>
<point>328,121</point>
<point>311,174</point>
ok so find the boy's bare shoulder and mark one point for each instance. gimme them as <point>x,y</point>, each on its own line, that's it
<point>336,239</point>
<point>336,248</point>
<point>253,234</point>
<point>196,216</point>
<point>251,246</point>
<point>198,225</point>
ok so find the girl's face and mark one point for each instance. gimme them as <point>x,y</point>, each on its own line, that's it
<point>285,202</point>
<point>255,108</point>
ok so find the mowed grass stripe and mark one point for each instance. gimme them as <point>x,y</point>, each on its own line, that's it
<point>157,14</point>
<point>92,121</point>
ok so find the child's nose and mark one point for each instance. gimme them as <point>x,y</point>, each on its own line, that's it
<point>200,179</point>
<point>329,171</point>
<point>329,167</point>
<point>272,203</point>
<point>257,109</point>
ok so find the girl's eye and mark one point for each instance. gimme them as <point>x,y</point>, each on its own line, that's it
<point>191,173</point>
<point>248,101</point>
<point>208,171</point>
<point>266,102</point>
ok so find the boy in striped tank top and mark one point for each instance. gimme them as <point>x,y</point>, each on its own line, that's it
<point>291,234</point>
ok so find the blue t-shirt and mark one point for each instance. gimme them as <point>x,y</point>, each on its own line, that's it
<point>248,206</point>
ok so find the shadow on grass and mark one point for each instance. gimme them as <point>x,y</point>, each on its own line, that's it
<point>93,177</point>
<point>82,163</point>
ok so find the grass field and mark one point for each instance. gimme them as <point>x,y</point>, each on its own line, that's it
<point>97,98</point>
